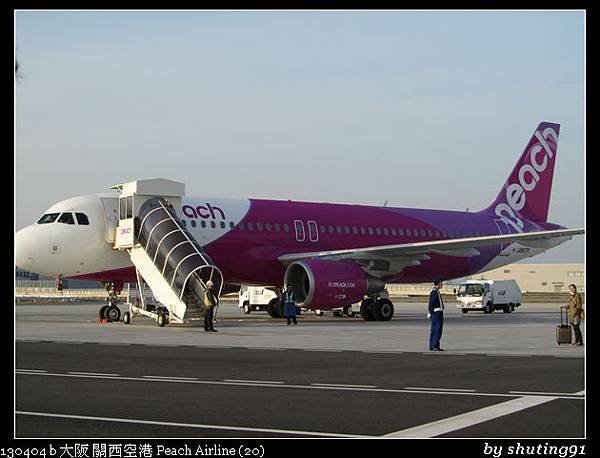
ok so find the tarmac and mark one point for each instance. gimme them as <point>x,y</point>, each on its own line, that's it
<point>501,375</point>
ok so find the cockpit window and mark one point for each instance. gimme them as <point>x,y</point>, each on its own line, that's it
<point>66,218</point>
<point>48,218</point>
<point>82,219</point>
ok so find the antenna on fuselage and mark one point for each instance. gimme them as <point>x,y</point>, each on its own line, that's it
<point>385,203</point>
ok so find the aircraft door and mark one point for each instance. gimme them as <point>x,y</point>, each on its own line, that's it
<point>111,213</point>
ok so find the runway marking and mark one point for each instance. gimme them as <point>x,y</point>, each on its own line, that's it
<point>439,389</point>
<point>465,420</point>
<point>385,352</point>
<point>542,393</point>
<point>266,348</point>
<point>278,384</point>
<point>94,373</point>
<point>31,370</point>
<point>187,425</point>
<point>161,377</point>
<point>341,385</point>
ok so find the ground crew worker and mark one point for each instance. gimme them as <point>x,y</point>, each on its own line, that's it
<point>210,302</point>
<point>289,304</point>
<point>436,314</point>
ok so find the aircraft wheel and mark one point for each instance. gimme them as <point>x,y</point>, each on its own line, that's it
<point>366,309</point>
<point>464,310</point>
<point>383,310</point>
<point>507,309</point>
<point>348,311</point>
<point>113,313</point>
<point>127,318</point>
<point>319,312</point>
<point>102,311</point>
<point>161,319</point>
<point>247,308</point>
<point>488,308</point>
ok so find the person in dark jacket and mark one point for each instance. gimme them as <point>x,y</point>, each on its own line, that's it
<point>436,314</point>
<point>210,302</point>
<point>289,304</point>
<point>575,309</point>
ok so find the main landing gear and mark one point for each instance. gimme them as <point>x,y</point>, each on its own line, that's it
<point>111,311</point>
<point>377,309</point>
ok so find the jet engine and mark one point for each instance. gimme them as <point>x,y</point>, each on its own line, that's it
<point>324,284</point>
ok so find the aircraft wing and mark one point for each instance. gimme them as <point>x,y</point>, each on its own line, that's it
<point>390,259</point>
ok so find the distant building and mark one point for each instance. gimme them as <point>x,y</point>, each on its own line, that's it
<point>21,274</point>
<point>539,278</point>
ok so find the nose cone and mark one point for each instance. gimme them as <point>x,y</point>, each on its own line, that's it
<point>26,246</point>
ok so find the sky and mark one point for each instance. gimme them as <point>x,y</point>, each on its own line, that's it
<point>423,109</point>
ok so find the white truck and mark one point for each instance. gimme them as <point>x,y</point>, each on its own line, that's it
<point>256,298</point>
<point>488,295</point>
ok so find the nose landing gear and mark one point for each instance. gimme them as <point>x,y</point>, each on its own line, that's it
<point>111,312</point>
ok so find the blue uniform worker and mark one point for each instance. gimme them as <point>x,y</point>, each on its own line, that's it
<point>436,314</point>
<point>289,305</point>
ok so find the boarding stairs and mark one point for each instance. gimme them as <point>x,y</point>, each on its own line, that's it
<point>167,258</point>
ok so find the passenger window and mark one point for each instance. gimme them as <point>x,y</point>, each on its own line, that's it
<point>183,223</point>
<point>66,218</point>
<point>268,227</point>
<point>386,231</point>
<point>370,230</point>
<point>259,226</point>
<point>354,230</point>
<point>338,229</point>
<point>430,234</point>
<point>202,223</point>
<point>408,232</point>
<point>82,219</point>
<point>277,227</point>
<point>250,226</point>
<point>363,231</point>
<point>222,224</point>
<point>347,230</point>
<point>331,230</point>
<point>213,224</point>
<point>241,226</point>
<point>193,223</point>
<point>322,229</point>
<point>378,230</point>
<point>286,228</point>
<point>48,218</point>
<point>393,229</point>
<point>231,225</point>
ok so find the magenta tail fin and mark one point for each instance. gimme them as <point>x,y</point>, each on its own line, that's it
<point>526,193</point>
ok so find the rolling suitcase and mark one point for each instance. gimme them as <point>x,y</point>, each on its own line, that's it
<point>563,330</point>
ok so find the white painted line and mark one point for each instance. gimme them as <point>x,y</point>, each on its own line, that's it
<point>543,393</point>
<point>282,385</point>
<point>341,385</point>
<point>160,377</point>
<point>582,392</point>
<point>95,373</point>
<point>465,420</point>
<point>265,348</point>
<point>438,389</point>
<point>31,370</point>
<point>186,425</point>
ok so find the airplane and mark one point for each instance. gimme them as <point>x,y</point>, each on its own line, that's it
<point>335,254</point>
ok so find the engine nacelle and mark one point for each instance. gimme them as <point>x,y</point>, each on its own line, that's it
<point>322,284</point>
